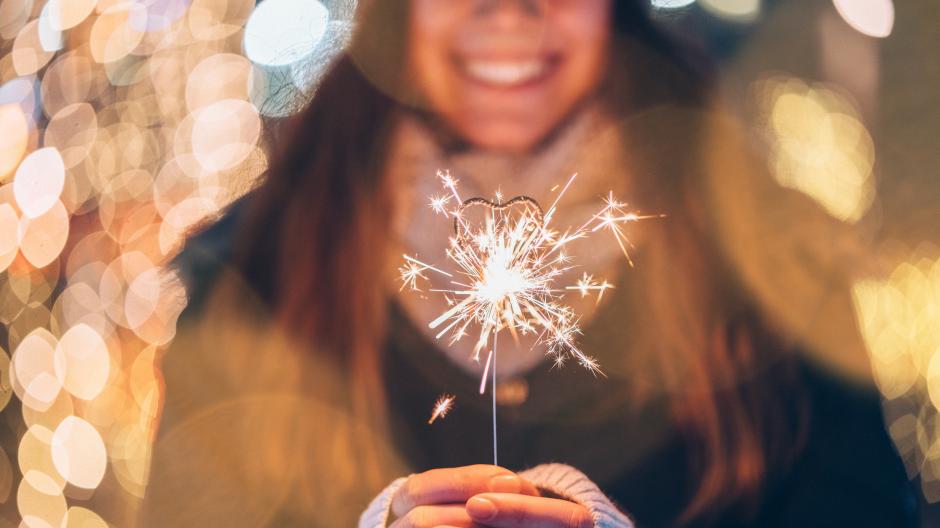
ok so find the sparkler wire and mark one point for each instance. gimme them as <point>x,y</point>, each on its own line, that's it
<point>493,396</point>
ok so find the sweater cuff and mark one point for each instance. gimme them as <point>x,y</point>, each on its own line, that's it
<point>376,515</point>
<point>570,484</point>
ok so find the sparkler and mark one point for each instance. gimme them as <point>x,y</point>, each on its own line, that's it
<point>508,263</point>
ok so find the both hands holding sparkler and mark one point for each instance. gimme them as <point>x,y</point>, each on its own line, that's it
<point>480,496</point>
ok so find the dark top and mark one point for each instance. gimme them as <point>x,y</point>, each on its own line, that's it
<point>847,474</point>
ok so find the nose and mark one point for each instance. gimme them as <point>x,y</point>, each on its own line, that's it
<point>509,14</point>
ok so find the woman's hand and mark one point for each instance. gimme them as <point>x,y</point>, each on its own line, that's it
<point>480,496</point>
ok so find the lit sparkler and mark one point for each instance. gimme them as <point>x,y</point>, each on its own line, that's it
<point>508,264</point>
<point>442,406</point>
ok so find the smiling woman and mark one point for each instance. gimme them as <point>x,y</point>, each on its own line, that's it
<point>504,76</point>
<point>299,384</point>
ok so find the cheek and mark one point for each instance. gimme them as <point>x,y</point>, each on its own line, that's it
<point>430,28</point>
<point>587,33</point>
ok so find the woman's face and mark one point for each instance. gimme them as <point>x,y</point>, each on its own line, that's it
<point>503,73</point>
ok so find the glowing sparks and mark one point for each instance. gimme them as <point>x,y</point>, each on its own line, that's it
<point>442,406</point>
<point>612,217</point>
<point>414,269</point>
<point>439,204</point>
<point>587,284</point>
<point>508,261</point>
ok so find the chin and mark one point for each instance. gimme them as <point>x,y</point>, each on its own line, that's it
<point>512,139</point>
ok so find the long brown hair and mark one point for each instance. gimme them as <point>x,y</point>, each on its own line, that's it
<point>313,242</point>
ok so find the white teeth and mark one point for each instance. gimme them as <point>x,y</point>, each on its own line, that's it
<point>505,73</point>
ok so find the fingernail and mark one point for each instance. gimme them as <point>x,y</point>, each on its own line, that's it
<point>506,484</point>
<point>481,509</point>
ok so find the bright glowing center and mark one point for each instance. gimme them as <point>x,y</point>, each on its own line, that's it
<point>501,279</point>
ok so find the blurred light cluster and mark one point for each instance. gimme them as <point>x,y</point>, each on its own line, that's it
<point>123,124</point>
<point>899,317</point>
<point>818,145</point>
<point>874,18</point>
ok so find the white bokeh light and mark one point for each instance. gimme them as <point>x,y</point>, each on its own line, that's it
<point>78,453</point>
<point>874,18</point>
<point>281,32</point>
<point>671,4</point>
<point>39,181</point>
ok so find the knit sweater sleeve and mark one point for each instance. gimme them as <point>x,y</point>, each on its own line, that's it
<point>569,483</point>
<point>558,479</point>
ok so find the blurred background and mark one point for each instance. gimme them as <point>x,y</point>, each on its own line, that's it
<point>123,123</point>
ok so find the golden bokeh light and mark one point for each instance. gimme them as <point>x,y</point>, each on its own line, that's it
<point>33,370</point>
<point>9,235</point>
<point>34,456</point>
<point>78,517</point>
<point>6,392</point>
<point>82,362</point>
<point>898,316</point>
<point>72,132</point>
<point>217,77</point>
<point>62,407</point>
<point>224,133</point>
<point>38,507</point>
<point>113,35</point>
<point>13,16</point>
<point>43,238</point>
<point>152,305</point>
<point>819,145</point>
<point>735,10</point>
<point>211,20</point>
<point>14,139</point>
<point>70,79</point>
<point>28,53</point>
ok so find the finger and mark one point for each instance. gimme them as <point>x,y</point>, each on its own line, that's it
<point>434,516</point>
<point>503,510</point>
<point>456,485</point>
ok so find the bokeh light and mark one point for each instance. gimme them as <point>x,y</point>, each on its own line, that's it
<point>282,32</point>
<point>874,18</point>
<point>28,52</point>
<point>898,316</point>
<point>65,14</point>
<point>819,145</point>
<point>78,517</point>
<point>14,139</point>
<point>33,370</point>
<point>82,363</point>
<point>78,453</point>
<point>39,182</point>
<point>735,10</point>
<point>671,4</point>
